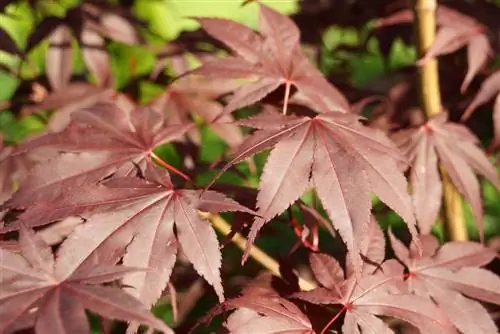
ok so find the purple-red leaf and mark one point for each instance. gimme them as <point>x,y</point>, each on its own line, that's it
<point>146,219</point>
<point>335,154</point>
<point>375,295</point>
<point>449,271</point>
<point>437,140</point>
<point>59,62</point>
<point>197,95</point>
<point>241,39</point>
<point>478,51</point>
<point>96,57</point>
<point>110,137</point>
<point>275,59</point>
<point>58,301</point>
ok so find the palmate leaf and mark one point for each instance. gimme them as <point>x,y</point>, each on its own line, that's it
<point>89,24</point>
<point>490,89</point>
<point>38,291</point>
<point>456,30</point>
<point>259,309</point>
<point>147,217</point>
<point>437,140</point>
<point>197,96</point>
<point>274,58</point>
<point>343,160</point>
<point>370,296</point>
<point>450,274</point>
<point>267,315</point>
<point>97,142</point>
<point>74,96</point>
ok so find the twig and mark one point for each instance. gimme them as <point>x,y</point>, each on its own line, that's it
<point>255,253</point>
<point>430,100</point>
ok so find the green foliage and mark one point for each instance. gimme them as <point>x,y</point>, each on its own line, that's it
<point>168,18</point>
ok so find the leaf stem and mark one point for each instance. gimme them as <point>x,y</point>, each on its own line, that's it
<point>287,95</point>
<point>168,166</point>
<point>339,313</point>
<point>255,253</point>
<point>430,100</point>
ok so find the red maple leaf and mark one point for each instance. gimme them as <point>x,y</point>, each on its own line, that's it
<point>259,309</point>
<point>437,140</point>
<point>89,24</point>
<point>370,296</point>
<point>97,143</point>
<point>490,89</point>
<point>456,30</point>
<point>274,57</point>
<point>51,294</point>
<point>450,276</point>
<point>196,96</point>
<point>333,152</point>
<point>74,96</point>
<point>145,212</point>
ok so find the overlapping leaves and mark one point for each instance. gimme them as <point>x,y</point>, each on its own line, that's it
<point>274,57</point>
<point>456,31</point>
<point>451,276</point>
<point>368,297</point>
<point>197,96</point>
<point>52,294</point>
<point>89,23</point>
<point>145,211</point>
<point>436,141</point>
<point>97,143</point>
<point>333,152</point>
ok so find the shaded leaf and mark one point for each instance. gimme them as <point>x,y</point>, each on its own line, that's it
<point>59,63</point>
<point>443,275</point>
<point>57,301</point>
<point>437,139</point>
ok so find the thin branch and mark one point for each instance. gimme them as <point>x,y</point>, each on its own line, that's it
<point>255,253</point>
<point>430,100</point>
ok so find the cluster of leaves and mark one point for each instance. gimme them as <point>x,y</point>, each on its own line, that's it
<point>104,158</point>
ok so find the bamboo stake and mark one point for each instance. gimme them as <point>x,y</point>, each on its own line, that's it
<point>430,100</point>
<point>255,253</point>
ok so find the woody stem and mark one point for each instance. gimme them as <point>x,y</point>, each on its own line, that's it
<point>255,252</point>
<point>430,100</point>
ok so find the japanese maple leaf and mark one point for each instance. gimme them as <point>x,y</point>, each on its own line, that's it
<point>38,290</point>
<point>274,57</point>
<point>436,141</point>
<point>259,309</point>
<point>456,30</point>
<point>74,96</point>
<point>97,142</point>
<point>89,24</point>
<point>450,275</point>
<point>370,296</point>
<point>266,314</point>
<point>490,89</point>
<point>336,154</point>
<point>147,218</point>
<point>197,96</point>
